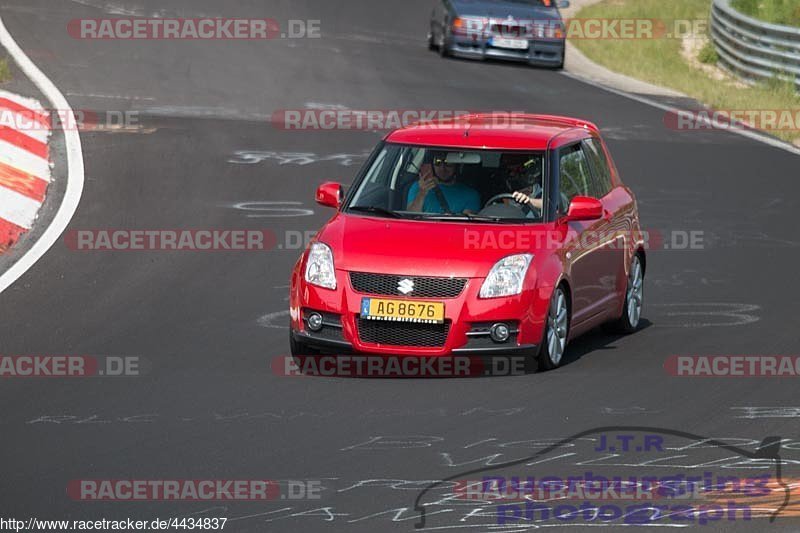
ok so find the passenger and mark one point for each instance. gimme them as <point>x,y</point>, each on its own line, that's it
<point>438,190</point>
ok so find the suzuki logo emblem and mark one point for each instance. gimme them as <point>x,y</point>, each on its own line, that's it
<point>405,286</point>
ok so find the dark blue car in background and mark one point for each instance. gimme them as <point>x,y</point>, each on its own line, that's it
<point>529,31</point>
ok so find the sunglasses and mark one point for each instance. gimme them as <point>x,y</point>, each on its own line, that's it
<point>520,168</point>
<point>440,162</point>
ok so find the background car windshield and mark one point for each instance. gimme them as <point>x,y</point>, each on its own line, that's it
<point>392,181</point>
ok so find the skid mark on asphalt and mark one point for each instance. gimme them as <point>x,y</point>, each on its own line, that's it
<point>687,278</point>
<point>767,412</point>
<point>268,320</point>
<point>626,411</point>
<point>705,315</point>
<point>273,209</point>
<point>253,157</point>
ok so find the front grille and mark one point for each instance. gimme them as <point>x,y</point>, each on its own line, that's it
<point>424,287</point>
<point>403,333</point>
<point>513,31</point>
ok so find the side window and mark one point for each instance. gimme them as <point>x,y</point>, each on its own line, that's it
<point>574,178</point>
<point>597,158</point>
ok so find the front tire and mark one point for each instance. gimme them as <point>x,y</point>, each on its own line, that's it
<point>634,299</point>
<point>556,330</point>
<point>443,51</point>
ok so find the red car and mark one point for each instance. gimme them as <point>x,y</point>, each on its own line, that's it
<point>485,234</point>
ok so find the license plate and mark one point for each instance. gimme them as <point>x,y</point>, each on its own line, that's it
<point>402,310</point>
<point>514,44</point>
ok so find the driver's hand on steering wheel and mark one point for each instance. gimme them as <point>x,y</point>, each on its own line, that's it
<point>522,198</point>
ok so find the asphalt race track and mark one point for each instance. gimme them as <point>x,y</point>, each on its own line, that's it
<point>209,325</point>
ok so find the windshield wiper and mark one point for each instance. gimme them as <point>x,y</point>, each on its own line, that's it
<point>465,218</point>
<point>375,210</point>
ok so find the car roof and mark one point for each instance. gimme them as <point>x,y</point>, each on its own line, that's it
<point>499,131</point>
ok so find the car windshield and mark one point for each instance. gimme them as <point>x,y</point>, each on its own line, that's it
<point>423,182</point>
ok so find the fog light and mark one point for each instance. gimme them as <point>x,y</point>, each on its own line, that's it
<point>314,321</point>
<point>499,333</point>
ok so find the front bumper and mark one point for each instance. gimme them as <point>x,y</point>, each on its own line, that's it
<point>465,332</point>
<point>540,52</point>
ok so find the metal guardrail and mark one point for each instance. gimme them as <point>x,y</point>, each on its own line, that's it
<point>753,49</point>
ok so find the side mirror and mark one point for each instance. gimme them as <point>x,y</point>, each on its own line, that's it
<point>585,208</point>
<point>330,194</point>
<point>562,4</point>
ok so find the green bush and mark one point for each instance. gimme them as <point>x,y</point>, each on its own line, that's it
<point>708,54</point>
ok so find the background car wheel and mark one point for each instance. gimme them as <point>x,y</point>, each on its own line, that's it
<point>299,348</point>
<point>556,329</point>
<point>634,299</point>
<point>560,66</point>
<point>431,44</point>
<point>443,51</point>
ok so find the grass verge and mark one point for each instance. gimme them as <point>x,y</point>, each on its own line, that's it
<point>776,11</point>
<point>662,61</point>
<point>5,70</point>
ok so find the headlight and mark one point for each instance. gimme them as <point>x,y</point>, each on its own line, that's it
<point>319,267</point>
<point>506,276</point>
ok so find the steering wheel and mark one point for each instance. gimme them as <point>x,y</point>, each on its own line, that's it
<point>526,208</point>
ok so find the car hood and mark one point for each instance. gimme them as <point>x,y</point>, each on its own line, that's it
<point>414,248</point>
<point>503,10</point>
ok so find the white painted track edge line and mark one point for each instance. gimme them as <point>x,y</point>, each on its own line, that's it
<point>75,176</point>
<point>753,135</point>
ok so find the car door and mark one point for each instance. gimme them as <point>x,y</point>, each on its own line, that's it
<point>615,226</point>
<point>585,266</point>
<point>612,228</point>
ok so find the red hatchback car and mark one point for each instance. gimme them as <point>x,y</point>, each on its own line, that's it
<point>485,234</point>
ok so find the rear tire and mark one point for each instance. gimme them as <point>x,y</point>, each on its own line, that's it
<point>634,299</point>
<point>556,331</point>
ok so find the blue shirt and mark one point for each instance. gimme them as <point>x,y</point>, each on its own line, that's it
<point>459,198</point>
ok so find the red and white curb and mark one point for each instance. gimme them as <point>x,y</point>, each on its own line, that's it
<point>24,164</point>
<point>74,176</point>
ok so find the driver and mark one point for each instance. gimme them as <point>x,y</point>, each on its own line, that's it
<point>524,179</point>
<point>438,191</point>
